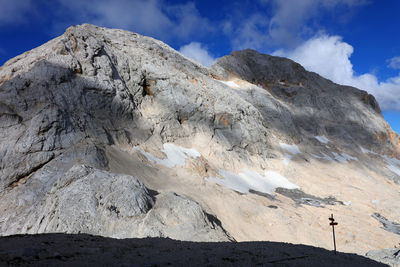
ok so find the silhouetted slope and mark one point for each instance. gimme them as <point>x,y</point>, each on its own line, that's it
<point>85,250</point>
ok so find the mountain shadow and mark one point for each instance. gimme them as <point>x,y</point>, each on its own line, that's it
<point>87,250</point>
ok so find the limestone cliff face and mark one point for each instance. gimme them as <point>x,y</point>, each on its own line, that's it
<point>154,144</point>
<point>316,105</point>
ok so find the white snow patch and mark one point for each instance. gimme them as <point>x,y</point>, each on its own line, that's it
<point>344,157</point>
<point>394,169</point>
<point>231,84</point>
<point>293,149</point>
<point>322,139</point>
<point>287,159</point>
<point>339,157</point>
<point>392,164</point>
<point>150,157</point>
<point>348,157</point>
<point>248,180</point>
<point>231,181</point>
<point>366,151</point>
<point>323,157</point>
<point>175,155</point>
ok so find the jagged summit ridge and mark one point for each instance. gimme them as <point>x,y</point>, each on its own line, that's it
<point>99,103</point>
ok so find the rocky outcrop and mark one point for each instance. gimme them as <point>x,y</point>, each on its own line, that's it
<point>387,256</point>
<point>87,200</point>
<point>154,144</point>
<point>91,201</point>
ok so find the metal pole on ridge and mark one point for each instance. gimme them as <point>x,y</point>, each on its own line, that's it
<point>333,223</point>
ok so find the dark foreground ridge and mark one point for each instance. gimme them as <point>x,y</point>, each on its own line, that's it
<point>85,250</point>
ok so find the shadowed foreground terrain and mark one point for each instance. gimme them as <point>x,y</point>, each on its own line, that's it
<point>82,250</point>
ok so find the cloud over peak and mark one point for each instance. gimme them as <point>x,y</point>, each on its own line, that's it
<point>394,63</point>
<point>291,22</point>
<point>149,17</point>
<point>327,55</point>
<point>197,52</point>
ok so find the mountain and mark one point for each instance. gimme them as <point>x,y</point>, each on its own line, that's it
<point>111,133</point>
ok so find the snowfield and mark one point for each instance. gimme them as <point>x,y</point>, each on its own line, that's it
<point>292,149</point>
<point>231,84</point>
<point>175,155</point>
<point>324,156</point>
<point>248,180</point>
<point>287,159</point>
<point>366,151</point>
<point>343,157</point>
<point>392,164</point>
<point>322,139</point>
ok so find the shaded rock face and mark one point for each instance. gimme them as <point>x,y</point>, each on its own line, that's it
<point>315,106</point>
<point>109,132</point>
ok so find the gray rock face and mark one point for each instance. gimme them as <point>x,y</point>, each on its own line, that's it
<point>182,219</point>
<point>87,200</point>
<point>326,108</point>
<point>386,224</point>
<point>59,105</point>
<point>79,113</point>
<point>389,256</point>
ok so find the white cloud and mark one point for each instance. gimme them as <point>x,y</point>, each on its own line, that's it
<point>288,24</point>
<point>394,63</point>
<point>188,20</point>
<point>326,55</point>
<point>197,52</point>
<point>149,17</point>
<point>251,33</point>
<point>329,56</point>
<point>14,11</point>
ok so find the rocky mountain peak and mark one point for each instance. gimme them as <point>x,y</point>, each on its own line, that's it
<point>108,132</point>
<point>258,68</point>
<point>266,71</point>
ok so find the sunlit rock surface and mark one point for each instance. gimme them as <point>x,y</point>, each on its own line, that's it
<point>112,133</point>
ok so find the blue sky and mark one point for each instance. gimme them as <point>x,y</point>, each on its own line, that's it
<point>353,42</point>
